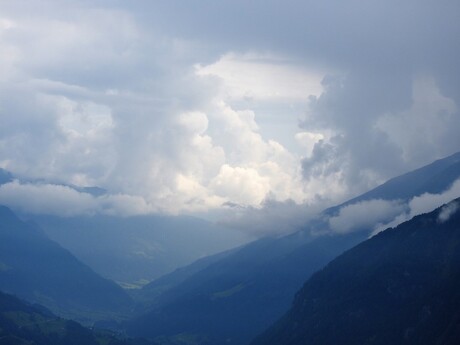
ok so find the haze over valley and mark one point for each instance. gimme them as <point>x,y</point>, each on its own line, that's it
<point>229,172</point>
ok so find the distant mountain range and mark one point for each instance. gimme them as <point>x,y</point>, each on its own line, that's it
<point>40,271</point>
<point>138,249</point>
<point>399,287</point>
<point>231,299</point>
<point>132,250</point>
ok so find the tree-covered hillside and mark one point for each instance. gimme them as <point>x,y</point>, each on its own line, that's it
<point>400,287</point>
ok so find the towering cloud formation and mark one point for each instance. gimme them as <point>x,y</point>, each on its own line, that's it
<point>190,107</point>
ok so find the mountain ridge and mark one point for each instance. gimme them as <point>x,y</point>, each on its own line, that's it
<point>433,178</point>
<point>137,249</point>
<point>39,270</point>
<point>399,287</point>
<point>245,272</point>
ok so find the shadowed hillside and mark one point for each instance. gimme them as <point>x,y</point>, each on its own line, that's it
<point>38,270</point>
<point>400,287</point>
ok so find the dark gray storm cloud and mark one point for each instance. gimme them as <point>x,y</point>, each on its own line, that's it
<point>375,51</point>
<point>345,33</point>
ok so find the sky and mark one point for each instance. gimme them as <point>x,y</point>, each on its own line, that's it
<point>221,107</point>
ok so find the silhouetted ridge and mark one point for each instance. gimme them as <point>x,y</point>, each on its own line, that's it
<point>399,287</point>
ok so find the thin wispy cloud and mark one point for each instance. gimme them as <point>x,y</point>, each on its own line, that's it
<point>423,204</point>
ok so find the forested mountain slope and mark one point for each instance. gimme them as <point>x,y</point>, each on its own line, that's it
<point>400,287</point>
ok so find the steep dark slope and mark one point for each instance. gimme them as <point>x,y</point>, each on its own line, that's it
<point>22,323</point>
<point>231,300</point>
<point>150,294</point>
<point>399,287</point>
<point>39,270</point>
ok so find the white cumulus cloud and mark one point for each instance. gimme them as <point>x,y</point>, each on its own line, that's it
<point>183,108</point>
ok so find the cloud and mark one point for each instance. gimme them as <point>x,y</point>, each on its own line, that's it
<point>425,203</point>
<point>365,114</point>
<point>377,215</point>
<point>364,215</point>
<point>43,198</point>
<point>308,141</point>
<point>273,218</point>
<point>131,124</point>
<point>242,185</point>
<point>184,111</point>
<point>428,202</point>
<point>429,124</point>
<point>447,211</point>
<point>343,32</point>
<point>254,76</point>
<point>47,199</point>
